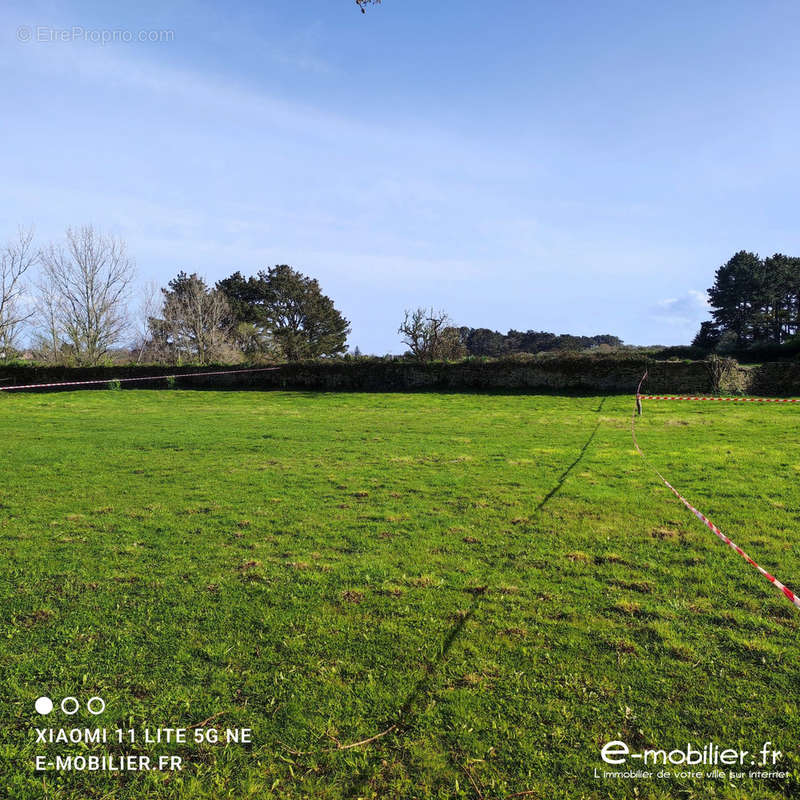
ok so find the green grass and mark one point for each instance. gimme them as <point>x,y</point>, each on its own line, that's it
<point>500,577</point>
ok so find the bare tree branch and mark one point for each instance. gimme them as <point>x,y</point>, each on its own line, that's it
<point>16,258</point>
<point>48,341</point>
<point>91,279</point>
<point>362,4</point>
<point>195,323</point>
<point>148,308</point>
<point>430,335</point>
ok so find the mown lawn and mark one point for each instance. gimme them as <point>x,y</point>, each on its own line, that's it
<point>499,577</point>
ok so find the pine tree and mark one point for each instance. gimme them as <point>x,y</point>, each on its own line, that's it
<point>290,310</point>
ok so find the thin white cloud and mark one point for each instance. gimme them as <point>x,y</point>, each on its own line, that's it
<point>689,308</point>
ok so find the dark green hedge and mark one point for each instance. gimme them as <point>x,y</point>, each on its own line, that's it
<point>604,374</point>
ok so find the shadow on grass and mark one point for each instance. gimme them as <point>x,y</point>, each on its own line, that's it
<point>565,474</point>
<point>406,714</point>
<point>354,789</point>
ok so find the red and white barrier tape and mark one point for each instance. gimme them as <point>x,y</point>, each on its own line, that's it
<point>130,380</point>
<point>789,594</point>
<point>719,399</point>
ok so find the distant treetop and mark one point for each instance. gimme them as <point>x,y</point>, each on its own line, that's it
<point>755,302</point>
<point>486,342</point>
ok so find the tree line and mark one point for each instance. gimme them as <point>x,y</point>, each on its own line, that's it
<point>754,302</point>
<point>486,342</point>
<point>73,301</point>
<point>431,335</point>
<point>277,314</point>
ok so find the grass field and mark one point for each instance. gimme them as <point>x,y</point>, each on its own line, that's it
<point>500,577</point>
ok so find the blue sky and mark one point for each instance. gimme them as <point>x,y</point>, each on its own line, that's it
<point>575,167</point>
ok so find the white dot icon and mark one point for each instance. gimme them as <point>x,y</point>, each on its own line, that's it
<point>44,705</point>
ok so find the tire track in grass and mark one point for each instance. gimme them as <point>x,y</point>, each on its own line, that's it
<point>408,710</point>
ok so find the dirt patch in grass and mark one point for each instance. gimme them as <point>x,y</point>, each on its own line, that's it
<point>622,646</point>
<point>644,587</point>
<point>578,556</point>
<point>664,534</point>
<point>609,558</point>
<point>629,607</point>
<point>422,582</point>
<point>38,617</point>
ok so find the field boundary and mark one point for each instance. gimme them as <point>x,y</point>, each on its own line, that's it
<point>96,382</point>
<point>719,399</point>
<point>787,592</point>
<point>580,374</point>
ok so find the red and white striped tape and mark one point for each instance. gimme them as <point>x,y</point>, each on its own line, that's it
<point>719,399</point>
<point>130,380</point>
<point>788,593</point>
